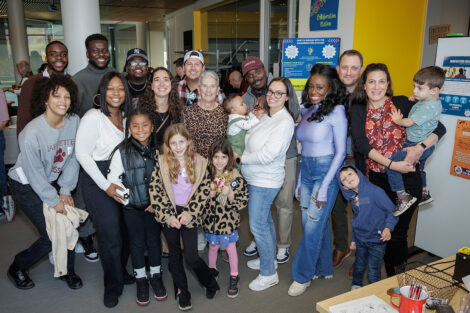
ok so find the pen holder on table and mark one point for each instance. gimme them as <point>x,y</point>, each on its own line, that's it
<point>410,304</point>
<point>438,283</point>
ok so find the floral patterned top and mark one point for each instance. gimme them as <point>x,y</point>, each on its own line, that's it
<point>384,135</point>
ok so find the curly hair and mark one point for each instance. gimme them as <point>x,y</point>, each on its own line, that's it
<point>147,99</point>
<point>189,154</point>
<point>336,93</point>
<point>224,146</point>
<point>359,95</point>
<point>45,86</point>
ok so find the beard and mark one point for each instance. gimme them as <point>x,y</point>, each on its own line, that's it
<point>93,63</point>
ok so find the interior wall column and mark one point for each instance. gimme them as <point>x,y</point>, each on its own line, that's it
<point>17,32</point>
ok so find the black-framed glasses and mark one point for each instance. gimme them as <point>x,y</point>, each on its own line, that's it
<point>276,94</point>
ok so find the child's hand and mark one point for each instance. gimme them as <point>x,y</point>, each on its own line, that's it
<point>260,103</point>
<point>396,116</point>
<point>184,218</point>
<point>258,113</point>
<point>174,223</point>
<point>320,204</point>
<point>225,190</point>
<point>297,193</point>
<point>386,235</point>
<point>67,199</point>
<point>352,246</point>
<point>112,193</point>
<point>59,208</point>
<point>412,98</point>
<point>150,209</point>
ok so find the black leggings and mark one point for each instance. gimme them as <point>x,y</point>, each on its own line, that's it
<point>144,234</point>
<point>396,252</point>
<point>191,255</point>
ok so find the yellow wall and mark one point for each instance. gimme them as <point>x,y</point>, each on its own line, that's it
<point>200,39</point>
<point>391,32</point>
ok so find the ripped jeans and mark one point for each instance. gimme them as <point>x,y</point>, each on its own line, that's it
<point>313,257</point>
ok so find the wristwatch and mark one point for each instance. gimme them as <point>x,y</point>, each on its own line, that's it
<point>423,145</point>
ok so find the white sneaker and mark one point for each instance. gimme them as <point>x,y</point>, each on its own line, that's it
<point>201,241</point>
<point>254,264</point>
<point>354,287</point>
<point>282,255</point>
<point>9,206</point>
<point>78,248</point>
<point>51,258</point>
<point>251,250</point>
<point>263,282</point>
<point>296,289</point>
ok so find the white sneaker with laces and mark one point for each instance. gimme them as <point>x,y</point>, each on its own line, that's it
<point>78,248</point>
<point>296,289</point>
<point>251,250</point>
<point>254,264</point>
<point>282,255</point>
<point>354,287</point>
<point>264,282</point>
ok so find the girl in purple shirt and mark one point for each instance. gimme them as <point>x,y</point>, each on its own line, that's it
<point>322,132</point>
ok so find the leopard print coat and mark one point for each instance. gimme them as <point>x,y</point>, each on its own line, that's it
<point>162,197</point>
<point>223,220</point>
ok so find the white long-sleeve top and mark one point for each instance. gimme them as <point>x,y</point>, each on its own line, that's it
<point>266,144</point>
<point>246,123</point>
<point>96,139</point>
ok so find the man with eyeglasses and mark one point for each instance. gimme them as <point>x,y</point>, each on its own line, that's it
<point>188,87</point>
<point>137,71</point>
<point>88,79</point>
<point>349,71</point>
<point>57,61</point>
<point>255,74</point>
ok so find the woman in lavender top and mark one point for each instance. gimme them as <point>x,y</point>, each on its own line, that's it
<point>322,132</point>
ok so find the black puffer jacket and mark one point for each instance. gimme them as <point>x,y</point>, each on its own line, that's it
<point>138,163</point>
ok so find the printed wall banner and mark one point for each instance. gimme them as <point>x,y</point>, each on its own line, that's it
<point>324,15</point>
<point>299,55</point>
<point>460,165</point>
<point>455,94</point>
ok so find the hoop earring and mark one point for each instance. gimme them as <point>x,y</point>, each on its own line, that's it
<point>94,101</point>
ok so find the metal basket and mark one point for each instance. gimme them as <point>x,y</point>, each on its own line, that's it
<point>438,283</point>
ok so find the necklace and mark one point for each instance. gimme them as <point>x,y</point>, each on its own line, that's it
<point>136,90</point>
<point>162,115</point>
<point>118,122</point>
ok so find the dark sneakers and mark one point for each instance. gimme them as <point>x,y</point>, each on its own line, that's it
<point>142,291</point>
<point>211,290</point>
<point>184,301</point>
<point>19,277</point>
<point>72,280</point>
<point>233,286</point>
<point>158,288</point>
<point>110,300</point>
<point>91,255</point>
<point>214,272</point>
<point>127,278</point>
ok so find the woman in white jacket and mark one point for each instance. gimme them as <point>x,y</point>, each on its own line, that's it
<point>263,166</point>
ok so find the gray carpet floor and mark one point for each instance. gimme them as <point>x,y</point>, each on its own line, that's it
<point>52,295</point>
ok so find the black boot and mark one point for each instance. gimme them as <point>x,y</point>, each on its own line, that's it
<point>72,280</point>
<point>19,277</point>
<point>158,287</point>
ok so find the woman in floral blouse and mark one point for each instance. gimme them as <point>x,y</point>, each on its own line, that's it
<point>376,137</point>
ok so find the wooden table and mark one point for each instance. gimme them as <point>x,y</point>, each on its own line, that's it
<point>380,290</point>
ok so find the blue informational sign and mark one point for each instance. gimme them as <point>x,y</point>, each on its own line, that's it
<point>299,55</point>
<point>324,15</point>
<point>455,94</point>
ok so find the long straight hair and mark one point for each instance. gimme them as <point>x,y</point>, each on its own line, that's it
<point>126,106</point>
<point>224,146</point>
<point>189,154</point>
<point>291,101</point>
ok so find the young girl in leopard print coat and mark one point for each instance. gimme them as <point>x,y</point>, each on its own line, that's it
<point>221,220</point>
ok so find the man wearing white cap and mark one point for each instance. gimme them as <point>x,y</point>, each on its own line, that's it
<point>188,87</point>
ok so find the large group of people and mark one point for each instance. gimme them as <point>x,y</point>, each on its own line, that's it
<point>158,160</point>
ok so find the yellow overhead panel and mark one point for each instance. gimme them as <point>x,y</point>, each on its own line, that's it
<point>391,32</point>
<point>200,35</point>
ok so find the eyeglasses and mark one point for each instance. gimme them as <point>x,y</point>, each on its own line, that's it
<point>211,86</point>
<point>276,94</point>
<point>134,64</point>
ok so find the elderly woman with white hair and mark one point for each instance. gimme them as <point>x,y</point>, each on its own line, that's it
<point>206,120</point>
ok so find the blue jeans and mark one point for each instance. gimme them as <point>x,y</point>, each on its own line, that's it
<point>371,255</point>
<point>262,226</point>
<point>3,173</point>
<point>395,178</point>
<point>313,257</point>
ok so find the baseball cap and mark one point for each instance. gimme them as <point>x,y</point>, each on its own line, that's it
<point>251,63</point>
<point>193,54</point>
<point>136,52</point>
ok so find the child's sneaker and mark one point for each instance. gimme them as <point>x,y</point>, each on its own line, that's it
<point>426,197</point>
<point>184,301</point>
<point>142,291</point>
<point>158,287</point>
<point>404,204</point>
<point>233,286</point>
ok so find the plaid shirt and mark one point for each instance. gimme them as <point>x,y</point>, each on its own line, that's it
<point>188,97</point>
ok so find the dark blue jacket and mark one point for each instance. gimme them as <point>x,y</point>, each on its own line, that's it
<point>372,212</point>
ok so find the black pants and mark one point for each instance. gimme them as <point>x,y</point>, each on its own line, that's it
<point>107,219</point>
<point>396,252</point>
<point>144,234</point>
<point>191,255</point>
<point>25,197</point>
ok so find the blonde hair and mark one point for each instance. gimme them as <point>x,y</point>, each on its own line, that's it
<point>189,154</point>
